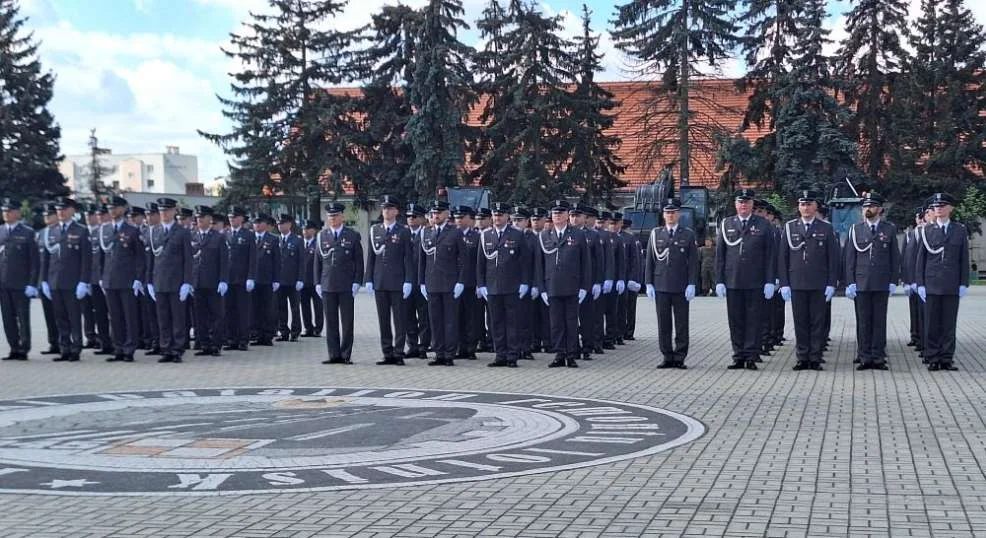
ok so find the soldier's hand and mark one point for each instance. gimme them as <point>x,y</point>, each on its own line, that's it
<point>769,290</point>
<point>223,288</point>
<point>150,291</point>
<point>137,287</point>
<point>318,290</point>
<point>81,290</point>
<point>621,287</point>
<point>355,289</point>
<point>424,291</point>
<point>457,290</point>
<point>534,292</point>
<point>482,293</point>
<point>963,290</point>
<point>31,292</point>
<point>100,283</point>
<point>786,294</point>
<point>690,292</point>
<point>893,288</point>
<point>597,289</point>
<point>607,286</point>
<point>250,284</point>
<point>544,297</point>
<point>720,290</point>
<point>369,288</point>
<point>582,295</point>
<point>406,289</point>
<point>299,285</point>
<point>46,290</point>
<point>275,286</point>
<point>908,290</point>
<point>185,292</point>
<point>651,294</point>
<point>829,293</point>
<point>633,286</point>
<point>851,291</point>
<point>522,290</point>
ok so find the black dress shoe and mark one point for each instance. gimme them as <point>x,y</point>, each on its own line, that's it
<point>90,345</point>
<point>598,350</point>
<point>665,364</point>
<point>817,367</point>
<point>10,357</point>
<point>680,365</point>
<point>571,363</point>
<point>294,337</point>
<point>528,356</point>
<point>630,338</point>
<point>857,360</point>
<point>933,367</point>
<point>758,359</point>
<point>751,365</point>
<point>53,350</point>
<point>166,358</point>
<point>449,362</point>
<point>439,361</point>
<point>949,366</point>
<point>862,367</point>
<point>800,366</point>
<point>499,363</point>
<point>176,359</point>
<point>114,358</point>
<point>203,353</point>
<point>881,367</point>
<point>386,360</point>
<point>609,346</point>
<point>155,351</point>
<point>587,356</point>
<point>74,357</point>
<point>559,362</point>
<point>282,338</point>
<point>103,352</point>
<point>620,342</point>
<point>737,365</point>
<point>128,358</point>
<point>912,344</point>
<point>61,358</point>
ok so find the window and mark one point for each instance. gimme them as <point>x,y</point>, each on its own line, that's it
<point>150,183</point>
<point>150,169</point>
<point>116,185</point>
<point>130,175</point>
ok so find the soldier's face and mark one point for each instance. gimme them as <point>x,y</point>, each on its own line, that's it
<point>464,222</point>
<point>153,219</point>
<point>537,224</point>
<point>284,227</point>
<point>577,219</point>
<point>168,215</point>
<point>559,218</point>
<point>204,222</point>
<point>65,214</point>
<point>260,227</point>
<point>116,212</point>
<point>51,218</point>
<point>808,209</point>
<point>137,220</point>
<point>918,220</point>
<point>92,219</point>
<point>390,214</point>
<point>871,212</point>
<point>414,221</point>
<point>520,223</point>
<point>308,233</point>
<point>483,223</point>
<point>335,220</point>
<point>499,220</point>
<point>943,212</point>
<point>236,221</point>
<point>743,207</point>
<point>671,217</point>
<point>10,216</point>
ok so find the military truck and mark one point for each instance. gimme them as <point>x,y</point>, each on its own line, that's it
<point>647,213</point>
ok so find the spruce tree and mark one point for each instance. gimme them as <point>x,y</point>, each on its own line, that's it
<point>441,94</point>
<point>29,136</point>
<point>670,40</point>
<point>594,169</point>
<point>95,171</point>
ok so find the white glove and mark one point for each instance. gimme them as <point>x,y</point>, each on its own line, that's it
<point>829,293</point>
<point>185,292</point>
<point>483,292</point>
<point>690,292</point>
<point>596,290</point>
<point>534,293</point>
<point>81,290</point>
<point>786,294</point>
<point>768,291</point>
<point>355,289</point>
<point>275,286</point>
<point>250,284</point>
<point>424,291</point>
<point>369,288</point>
<point>893,288</point>
<point>907,289</point>
<point>299,285</point>
<point>633,286</point>
<point>963,290</point>
<point>406,289</point>
<point>137,287</point>
<point>523,290</point>
<point>582,295</point>
<point>31,291</point>
<point>544,297</point>
<point>46,290</point>
<point>923,293</point>
<point>150,291</point>
<point>478,295</point>
<point>607,286</point>
<point>914,287</point>
<point>318,290</point>
<point>621,287</point>
<point>851,291</point>
<point>100,283</point>
<point>651,294</point>
<point>222,289</point>
<point>457,290</point>
<point>720,290</point>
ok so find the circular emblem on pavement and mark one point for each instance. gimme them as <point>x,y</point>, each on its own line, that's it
<point>253,440</point>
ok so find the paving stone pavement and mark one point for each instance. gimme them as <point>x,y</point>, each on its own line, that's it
<point>833,453</point>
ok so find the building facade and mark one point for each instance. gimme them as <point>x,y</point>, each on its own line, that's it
<point>168,172</point>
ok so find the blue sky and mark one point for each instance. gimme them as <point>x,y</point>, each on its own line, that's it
<point>145,73</point>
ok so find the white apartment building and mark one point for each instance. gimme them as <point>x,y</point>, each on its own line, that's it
<point>170,172</point>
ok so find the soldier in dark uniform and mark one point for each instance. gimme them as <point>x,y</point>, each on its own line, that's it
<point>123,275</point>
<point>470,309</point>
<point>95,313</point>
<point>912,241</point>
<point>151,328</point>
<point>623,273</point>
<point>483,223</point>
<point>242,246</point>
<point>210,277</point>
<point>170,288</point>
<point>312,316</point>
<point>529,309</point>
<point>292,281</point>
<point>563,272</point>
<point>503,275</point>
<point>339,270</point>
<point>268,281</point>
<point>871,273</point>
<point>603,306</point>
<point>45,238</point>
<point>390,273</point>
<point>66,266</point>
<point>604,269</point>
<point>942,271</point>
<point>20,264</point>
<point>587,315</point>
<point>767,319</point>
<point>777,305</point>
<point>808,269</point>
<point>745,267</point>
<point>671,274</point>
<point>617,287</point>
<point>442,267</point>
<point>634,276</point>
<point>707,258</point>
<point>417,325</point>
<point>823,215</point>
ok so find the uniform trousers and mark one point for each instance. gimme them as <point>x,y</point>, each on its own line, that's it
<point>506,322</point>
<point>599,320</point>
<point>525,319</point>
<point>264,314</point>
<point>622,309</point>
<point>564,313</point>
<point>672,318</point>
<point>743,309</point>
<point>124,322</point>
<point>871,327</point>
<point>540,325</point>
<point>311,311</point>
<point>68,319</point>
<point>391,309</point>
<point>15,308</point>
<point>97,322</point>
<point>149,326</point>
<point>470,320</point>
<point>631,313</point>
<point>338,310</point>
<point>612,307</point>
<point>172,323</point>
<point>916,310</point>
<point>778,315</point>
<point>941,315</point>
<point>587,325</point>
<point>443,313</point>
<point>209,319</point>
<point>48,310</point>
<point>238,319</point>
<point>288,298</point>
<point>418,327</point>
<point>809,308</point>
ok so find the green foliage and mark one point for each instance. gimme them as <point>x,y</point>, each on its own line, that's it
<point>972,208</point>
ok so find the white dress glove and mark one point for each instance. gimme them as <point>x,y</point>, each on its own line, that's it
<point>534,293</point>
<point>607,286</point>
<point>355,289</point>
<point>786,294</point>
<point>768,290</point>
<point>720,290</point>
<point>544,297</point>
<point>275,286</point>
<point>369,288</point>
<point>222,289</point>
<point>483,292</point>
<point>522,290</point>
<point>893,288</point>
<point>31,292</point>
<point>633,286</point>
<point>851,291</point>
<point>596,290</point>
<point>406,290</point>
<point>908,290</point>
<point>299,285</point>
<point>651,294</point>
<point>621,287</point>
<point>424,291</point>
<point>81,290</point>
<point>690,292</point>
<point>829,293</point>
<point>582,295</point>
<point>923,293</point>
<point>963,290</point>
<point>185,292</point>
<point>46,290</point>
<point>137,287</point>
<point>150,291</point>
<point>250,284</point>
<point>318,290</point>
<point>457,290</point>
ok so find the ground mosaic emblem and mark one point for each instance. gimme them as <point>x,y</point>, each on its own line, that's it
<point>254,440</point>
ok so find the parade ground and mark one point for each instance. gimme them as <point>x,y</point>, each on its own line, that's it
<point>272,443</point>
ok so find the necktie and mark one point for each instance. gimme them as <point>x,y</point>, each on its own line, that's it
<point>337,235</point>
<point>873,228</point>
<point>671,233</point>
<point>64,227</point>
<point>744,224</point>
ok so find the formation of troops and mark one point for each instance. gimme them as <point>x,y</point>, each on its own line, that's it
<point>452,282</point>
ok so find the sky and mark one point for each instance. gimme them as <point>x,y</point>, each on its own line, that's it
<point>145,73</point>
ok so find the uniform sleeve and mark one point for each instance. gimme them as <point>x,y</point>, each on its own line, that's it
<point>371,260</point>
<point>649,260</point>
<point>148,262</point>
<point>849,272</point>
<point>835,260</point>
<point>895,257</point>
<point>526,261</point>
<point>480,264</point>
<point>538,265</point>
<point>45,256</point>
<point>720,258</point>
<point>409,268</point>
<point>275,269</point>
<point>34,258</point>
<point>85,272</point>
<point>140,255</point>
<point>358,255</point>
<point>461,255</point>
<point>224,260</point>
<point>251,258</point>
<point>188,253</point>
<point>610,256</point>
<point>920,260</point>
<point>586,263</point>
<point>316,265</point>
<point>964,259</point>
<point>783,258</point>
<point>693,264</point>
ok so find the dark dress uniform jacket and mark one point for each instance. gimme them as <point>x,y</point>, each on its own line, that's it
<point>631,247</point>
<point>614,262</point>
<point>242,256</point>
<point>445,266</point>
<point>71,261</point>
<point>172,258</point>
<point>750,263</point>
<point>394,264</point>
<point>944,272</point>
<point>20,260</point>
<point>339,263</point>
<point>268,252</point>
<point>123,256</point>
<point>469,244</point>
<point>211,255</point>
<point>878,265</point>
<point>597,252</point>
<point>566,267</point>
<point>678,266</point>
<point>504,264</point>
<point>307,273</point>
<point>815,263</point>
<point>292,260</point>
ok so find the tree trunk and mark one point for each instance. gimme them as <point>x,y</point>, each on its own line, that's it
<point>683,149</point>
